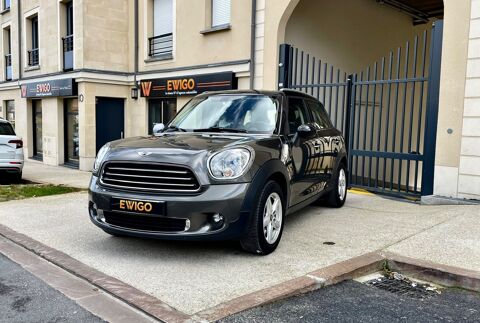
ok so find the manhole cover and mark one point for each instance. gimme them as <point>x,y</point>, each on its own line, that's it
<point>401,285</point>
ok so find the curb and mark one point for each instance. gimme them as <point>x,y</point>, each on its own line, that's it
<point>129,294</point>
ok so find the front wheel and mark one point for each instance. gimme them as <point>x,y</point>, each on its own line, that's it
<point>266,222</point>
<point>337,196</point>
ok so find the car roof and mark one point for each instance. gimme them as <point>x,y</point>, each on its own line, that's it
<point>288,92</point>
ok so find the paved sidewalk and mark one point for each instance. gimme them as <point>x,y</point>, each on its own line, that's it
<point>38,172</point>
<point>194,276</point>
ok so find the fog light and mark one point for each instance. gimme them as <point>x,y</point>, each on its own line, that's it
<point>187,224</point>
<point>93,209</point>
<point>217,218</point>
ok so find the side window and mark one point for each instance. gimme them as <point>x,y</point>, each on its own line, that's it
<point>320,116</point>
<point>297,114</point>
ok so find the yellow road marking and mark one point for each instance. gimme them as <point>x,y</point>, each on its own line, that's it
<point>359,191</point>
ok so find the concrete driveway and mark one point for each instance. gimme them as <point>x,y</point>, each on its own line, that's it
<point>192,277</point>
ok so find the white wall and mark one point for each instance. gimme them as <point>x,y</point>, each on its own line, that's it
<point>469,171</point>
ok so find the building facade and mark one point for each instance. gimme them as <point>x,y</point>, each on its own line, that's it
<point>80,73</point>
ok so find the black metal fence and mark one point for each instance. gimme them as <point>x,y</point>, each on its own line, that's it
<point>33,57</point>
<point>387,112</point>
<point>161,45</point>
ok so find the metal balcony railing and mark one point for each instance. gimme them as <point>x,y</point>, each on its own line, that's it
<point>67,52</point>
<point>8,67</point>
<point>161,45</point>
<point>33,57</point>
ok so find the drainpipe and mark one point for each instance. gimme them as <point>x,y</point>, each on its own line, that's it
<point>252,44</point>
<point>19,16</point>
<point>136,43</point>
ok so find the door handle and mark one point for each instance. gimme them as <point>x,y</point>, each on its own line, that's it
<point>121,135</point>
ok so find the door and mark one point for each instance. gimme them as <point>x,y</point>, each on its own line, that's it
<point>71,131</point>
<point>37,129</point>
<point>302,148</point>
<point>110,120</point>
<point>327,136</point>
<point>160,111</point>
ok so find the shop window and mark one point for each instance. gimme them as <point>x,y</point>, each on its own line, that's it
<point>161,44</point>
<point>160,111</point>
<point>10,108</point>
<point>221,13</point>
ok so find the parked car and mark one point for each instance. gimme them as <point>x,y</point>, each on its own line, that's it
<point>230,165</point>
<point>11,151</point>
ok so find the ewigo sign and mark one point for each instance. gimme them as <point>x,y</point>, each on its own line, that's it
<point>187,85</point>
<point>51,88</point>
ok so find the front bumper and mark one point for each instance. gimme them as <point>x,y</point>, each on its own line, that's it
<point>198,211</point>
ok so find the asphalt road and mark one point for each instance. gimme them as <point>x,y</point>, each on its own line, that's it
<point>25,298</point>
<point>354,302</point>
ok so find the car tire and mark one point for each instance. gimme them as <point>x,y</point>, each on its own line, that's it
<point>17,178</point>
<point>337,196</point>
<point>266,222</point>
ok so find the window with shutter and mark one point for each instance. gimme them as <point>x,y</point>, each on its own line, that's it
<point>162,41</point>
<point>220,12</point>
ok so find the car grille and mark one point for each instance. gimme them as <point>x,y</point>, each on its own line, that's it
<point>144,223</point>
<point>149,177</point>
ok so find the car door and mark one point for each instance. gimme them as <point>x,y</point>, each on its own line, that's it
<point>302,152</point>
<point>326,139</point>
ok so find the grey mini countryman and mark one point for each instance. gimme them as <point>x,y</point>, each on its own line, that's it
<point>230,165</point>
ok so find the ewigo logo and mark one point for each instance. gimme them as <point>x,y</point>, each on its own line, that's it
<point>24,90</point>
<point>146,88</point>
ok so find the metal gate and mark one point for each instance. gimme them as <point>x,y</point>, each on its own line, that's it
<point>387,112</point>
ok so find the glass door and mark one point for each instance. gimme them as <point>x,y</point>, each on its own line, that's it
<point>37,129</point>
<point>71,132</point>
<point>160,111</point>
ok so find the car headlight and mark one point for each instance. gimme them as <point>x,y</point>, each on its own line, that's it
<point>231,163</point>
<point>101,156</point>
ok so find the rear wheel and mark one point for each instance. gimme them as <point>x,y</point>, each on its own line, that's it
<point>17,177</point>
<point>266,222</point>
<point>337,196</point>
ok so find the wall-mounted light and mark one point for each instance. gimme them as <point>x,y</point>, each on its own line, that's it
<point>134,93</point>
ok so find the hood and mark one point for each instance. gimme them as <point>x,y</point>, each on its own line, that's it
<point>175,148</point>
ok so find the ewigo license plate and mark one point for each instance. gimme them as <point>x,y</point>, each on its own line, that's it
<point>136,206</point>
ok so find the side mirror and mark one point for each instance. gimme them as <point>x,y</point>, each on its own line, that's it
<point>158,127</point>
<point>305,130</point>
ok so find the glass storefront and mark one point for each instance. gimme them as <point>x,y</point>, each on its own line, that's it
<point>160,111</point>
<point>37,128</point>
<point>71,131</point>
<point>10,107</point>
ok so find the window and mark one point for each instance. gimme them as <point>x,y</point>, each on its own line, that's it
<point>297,115</point>
<point>220,12</point>
<point>33,54</point>
<point>10,105</point>
<point>6,129</point>
<point>162,41</point>
<point>8,54</point>
<point>320,117</point>
<point>68,39</point>
<point>6,4</point>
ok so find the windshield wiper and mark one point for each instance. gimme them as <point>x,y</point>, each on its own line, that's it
<point>175,128</point>
<point>221,129</point>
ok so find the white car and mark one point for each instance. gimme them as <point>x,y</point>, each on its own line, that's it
<point>11,152</point>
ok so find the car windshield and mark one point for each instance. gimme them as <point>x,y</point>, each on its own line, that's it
<point>228,113</point>
<point>6,129</point>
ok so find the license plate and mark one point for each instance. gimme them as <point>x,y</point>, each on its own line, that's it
<point>136,206</point>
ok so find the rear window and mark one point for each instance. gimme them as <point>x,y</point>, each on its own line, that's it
<point>6,129</point>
